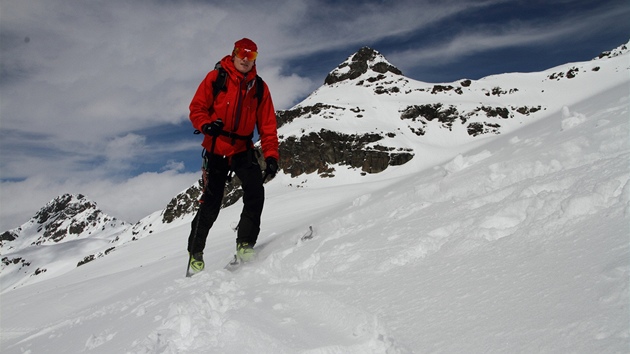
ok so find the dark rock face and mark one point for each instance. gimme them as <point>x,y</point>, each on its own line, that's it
<point>362,61</point>
<point>8,236</point>
<point>317,152</point>
<point>183,203</point>
<point>287,116</point>
<point>448,116</point>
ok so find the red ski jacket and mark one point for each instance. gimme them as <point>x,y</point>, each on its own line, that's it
<point>239,110</point>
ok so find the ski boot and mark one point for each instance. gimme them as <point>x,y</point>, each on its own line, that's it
<point>196,262</point>
<point>245,252</point>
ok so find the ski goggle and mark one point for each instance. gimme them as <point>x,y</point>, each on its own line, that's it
<point>245,54</point>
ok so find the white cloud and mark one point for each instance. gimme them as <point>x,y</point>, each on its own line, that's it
<point>298,86</point>
<point>141,195</point>
<point>172,165</point>
<point>124,148</point>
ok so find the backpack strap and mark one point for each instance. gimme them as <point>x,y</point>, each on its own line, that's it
<point>260,88</point>
<point>235,136</point>
<point>219,83</point>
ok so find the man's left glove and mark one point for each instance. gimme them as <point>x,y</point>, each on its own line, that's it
<point>272,167</point>
<point>213,129</point>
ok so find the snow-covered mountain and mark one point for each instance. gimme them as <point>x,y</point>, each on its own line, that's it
<point>66,233</point>
<point>67,229</point>
<point>65,218</point>
<point>483,215</point>
<point>368,116</point>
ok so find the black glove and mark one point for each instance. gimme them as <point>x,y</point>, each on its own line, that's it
<point>213,129</point>
<point>272,167</point>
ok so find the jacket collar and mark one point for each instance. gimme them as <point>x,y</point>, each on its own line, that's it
<point>228,65</point>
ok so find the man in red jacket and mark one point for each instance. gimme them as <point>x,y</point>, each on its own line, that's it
<point>227,119</point>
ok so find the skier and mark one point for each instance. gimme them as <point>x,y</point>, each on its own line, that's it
<point>227,113</point>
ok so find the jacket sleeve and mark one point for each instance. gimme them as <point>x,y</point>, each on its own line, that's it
<point>202,102</point>
<point>267,125</point>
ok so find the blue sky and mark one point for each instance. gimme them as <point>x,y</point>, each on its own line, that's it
<point>94,94</point>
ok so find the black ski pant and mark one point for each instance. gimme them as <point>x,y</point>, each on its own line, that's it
<point>246,167</point>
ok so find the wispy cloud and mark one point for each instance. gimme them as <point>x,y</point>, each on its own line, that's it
<point>481,37</point>
<point>314,26</point>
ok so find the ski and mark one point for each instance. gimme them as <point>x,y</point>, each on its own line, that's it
<point>188,272</point>
<point>308,235</point>
<point>233,264</point>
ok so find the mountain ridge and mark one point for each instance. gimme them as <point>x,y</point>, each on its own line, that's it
<point>325,137</point>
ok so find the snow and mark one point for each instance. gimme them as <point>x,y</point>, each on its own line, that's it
<point>517,242</point>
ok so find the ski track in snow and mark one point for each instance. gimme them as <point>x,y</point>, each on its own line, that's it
<point>217,315</point>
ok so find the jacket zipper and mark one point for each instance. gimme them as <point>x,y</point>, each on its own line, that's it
<point>239,107</point>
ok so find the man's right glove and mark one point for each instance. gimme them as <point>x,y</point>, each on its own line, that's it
<point>213,129</point>
<point>272,167</point>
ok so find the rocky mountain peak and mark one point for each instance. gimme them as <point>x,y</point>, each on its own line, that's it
<point>622,49</point>
<point>366,59</point>
<point>65,216</point>
<point>63,206</point>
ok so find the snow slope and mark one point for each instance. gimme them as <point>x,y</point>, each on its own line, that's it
<point>512,243</point>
